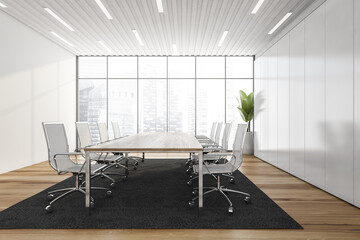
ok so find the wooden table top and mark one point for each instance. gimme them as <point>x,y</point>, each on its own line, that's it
<point>151,142</point>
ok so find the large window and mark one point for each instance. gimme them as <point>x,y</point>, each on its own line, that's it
<point>175,94</point>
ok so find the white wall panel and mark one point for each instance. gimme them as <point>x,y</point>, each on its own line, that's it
<point>297,47</point>
<point>339,98</point>
<point>257,105</point>
<point>272,107</point>
<point>264,140</point>
<point>32,72</point>
<point>315,98</point>
<point>357,103</point>
<point>283,103</point>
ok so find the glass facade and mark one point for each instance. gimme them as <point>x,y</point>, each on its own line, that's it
<point>174,94</point>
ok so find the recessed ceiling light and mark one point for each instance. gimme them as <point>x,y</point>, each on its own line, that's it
<point>105,46</point>
<point>257,6</point>
<point>3,5</point>
<point>138,37</point>
<point>58,18</point>
<point>160,6</point>
<point>280,22</point>
<point>103,8</point>
<point>174,49</point>
<point>222,38</point>
<point>61,38</point>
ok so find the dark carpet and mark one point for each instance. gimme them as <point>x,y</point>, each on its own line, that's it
<point>154,196</point>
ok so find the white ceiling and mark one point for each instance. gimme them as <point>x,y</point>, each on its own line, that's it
<point>195,26</point>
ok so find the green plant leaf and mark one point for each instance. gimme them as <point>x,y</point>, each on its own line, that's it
<point>243,114</point>
<point>250,116</point>
<point>243,95</point>
<point>246,106</point>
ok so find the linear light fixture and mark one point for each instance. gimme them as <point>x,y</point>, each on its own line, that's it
<point>280,22</point>
<point>105,46</point>
<point>59,19</point>
<point>3,5</point>
<point>174,49</point>
<point>222,38</point>
<point>160,6</point>
<point>257,6</point>
<point>138,37</point>
<point>103,8</point>
<point>61,38</point>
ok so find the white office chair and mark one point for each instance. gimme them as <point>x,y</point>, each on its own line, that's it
<point>85,139</point>
<point>216,170</point>
<point>103,132</point>
<point>116,130</point>
<point>213,148</point>
<point>104,136</point>
<point>216,141</point>
<point>59,159</point>
<point>203,138</point>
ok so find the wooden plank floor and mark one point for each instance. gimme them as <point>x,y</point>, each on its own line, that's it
<point>323,216</point>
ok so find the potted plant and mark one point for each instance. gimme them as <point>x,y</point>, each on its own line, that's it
<point>246,110</point>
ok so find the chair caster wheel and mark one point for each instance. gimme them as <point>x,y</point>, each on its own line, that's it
<point>92,204</point>
<point>189,183</point>
<point>112,185</point>
<point>117,166</point>
<point>124,179</point>
<point>143,160</point>
<point>50,197</point>
<point>192,204</point>
<point>188,170</point>
<point>247,199</point>
<point>135,167</point>
<point>136,163</point>
<point>49,209</point>
<point>108,193</point>
<point>195,192</point>
<point>232,180</point>
<point>231,210</point>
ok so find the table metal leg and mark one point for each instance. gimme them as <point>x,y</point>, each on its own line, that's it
<point>201,183</point>
<point>126,159</point>
<point>87,179</point>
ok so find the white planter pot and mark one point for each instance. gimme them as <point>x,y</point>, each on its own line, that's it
<point>249,143</point>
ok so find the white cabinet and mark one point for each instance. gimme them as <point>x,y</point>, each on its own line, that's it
<point>283,103</point>
<point>272,107</point>
<point>357,104</point>
<point>339,98</point>
<point>297,101</point>
<point>315,98</point>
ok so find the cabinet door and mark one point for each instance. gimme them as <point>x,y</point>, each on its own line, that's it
<point>283,103</point>
<point>315,98</point>
<point>339,98</point>
<point>297,101</point>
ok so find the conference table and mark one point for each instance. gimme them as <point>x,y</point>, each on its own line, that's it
<point>149,142</point>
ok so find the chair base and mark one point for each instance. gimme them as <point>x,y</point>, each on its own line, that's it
<point>222,190</point>
<point>78,188</point>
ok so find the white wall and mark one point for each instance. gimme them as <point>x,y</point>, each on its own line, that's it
<point>318,79</point>
<point>38,83</point>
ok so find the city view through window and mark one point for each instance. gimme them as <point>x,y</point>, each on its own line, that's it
<point>174,94</point>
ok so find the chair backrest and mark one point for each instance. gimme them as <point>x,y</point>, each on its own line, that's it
<point>57,142</point>
<point>218,132</point>
<point>212,133</point>
<point>226,135</point>
<point>103,131</point>
<point>237,157</point>
<point>83,130</point>
<point>116,129</point>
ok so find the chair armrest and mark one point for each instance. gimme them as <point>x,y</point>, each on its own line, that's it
<point>219,154</point>
<point>68,154</point>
